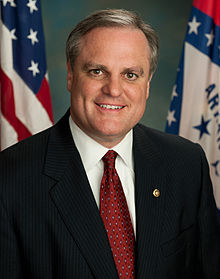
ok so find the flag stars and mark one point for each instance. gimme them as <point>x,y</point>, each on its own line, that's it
<point>11,2</point>
<point>170,117</point>
<point>203,127</point>
<point>32,6</point>
<point>12,34</point>
<point>34,68</point>
<point>193,26</point>
<point>33,37</point>
<point>174,93</point>
<point>210,38</point>
<point>203,36</point>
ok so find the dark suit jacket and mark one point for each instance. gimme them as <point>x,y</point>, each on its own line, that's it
<point>50,226</point>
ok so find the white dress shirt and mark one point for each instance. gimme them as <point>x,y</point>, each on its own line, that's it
<point>91,153</point>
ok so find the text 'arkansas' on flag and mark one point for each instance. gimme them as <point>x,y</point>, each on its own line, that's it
<point>24,90</point>
<point>195,109</point>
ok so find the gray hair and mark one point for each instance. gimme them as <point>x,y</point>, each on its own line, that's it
<point>112,18</point>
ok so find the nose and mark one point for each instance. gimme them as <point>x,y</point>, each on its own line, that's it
<point>113,86</point>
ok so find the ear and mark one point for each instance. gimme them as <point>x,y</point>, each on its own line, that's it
<point>148,86</point>
<point>69,76</point>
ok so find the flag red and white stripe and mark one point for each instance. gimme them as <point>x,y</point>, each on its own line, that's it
<point>24,90</point>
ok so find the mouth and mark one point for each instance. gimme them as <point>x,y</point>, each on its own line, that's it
<point>111,107</point>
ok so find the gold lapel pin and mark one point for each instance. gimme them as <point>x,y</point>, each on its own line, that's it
<point>156,193</point>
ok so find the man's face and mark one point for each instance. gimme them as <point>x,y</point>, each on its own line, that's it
<point>109,84</point>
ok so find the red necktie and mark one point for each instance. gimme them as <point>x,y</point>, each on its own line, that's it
<point>116,218</point>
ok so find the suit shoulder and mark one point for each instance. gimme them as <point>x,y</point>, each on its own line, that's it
<point>30,153</point>
<point>162,136</point>
<point>168,144</point>
<point>30,147</point>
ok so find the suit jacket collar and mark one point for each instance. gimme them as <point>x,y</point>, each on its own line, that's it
<point>73,197</point>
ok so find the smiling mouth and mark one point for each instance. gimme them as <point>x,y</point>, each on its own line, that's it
<point>113,107</point>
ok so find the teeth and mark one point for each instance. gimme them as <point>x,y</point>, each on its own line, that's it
<point>110,107</point>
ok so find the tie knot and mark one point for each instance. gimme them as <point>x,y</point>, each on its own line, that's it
<point>109,159</point>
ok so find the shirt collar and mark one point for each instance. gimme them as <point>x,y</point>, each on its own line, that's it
<point>91,152</point>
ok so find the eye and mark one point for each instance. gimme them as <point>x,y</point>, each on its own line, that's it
<point>96,72</point>
<point>131,76</point>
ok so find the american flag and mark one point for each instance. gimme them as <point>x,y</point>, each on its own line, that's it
<point>24,90</point>
<point>195,103</point>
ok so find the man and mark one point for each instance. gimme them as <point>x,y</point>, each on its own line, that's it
<point>70,211</point>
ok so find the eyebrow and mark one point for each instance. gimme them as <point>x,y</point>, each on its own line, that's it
<point>89,65</point>
<point>134,69</point>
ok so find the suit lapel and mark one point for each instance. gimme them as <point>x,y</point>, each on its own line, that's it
<point>73,197</point>
<point>148,176</point>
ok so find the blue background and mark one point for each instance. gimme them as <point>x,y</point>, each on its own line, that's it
<point>169,18</point>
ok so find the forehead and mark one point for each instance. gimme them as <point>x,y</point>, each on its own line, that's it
<point>115,42</point>
<point>97,32</point>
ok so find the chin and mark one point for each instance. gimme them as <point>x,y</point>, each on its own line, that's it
<point>113,133</point>
<point>109,129</point>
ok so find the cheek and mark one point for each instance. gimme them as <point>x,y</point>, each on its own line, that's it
<point>138,96</point>
<point>88,90</point>
<point>83,97</point>
<point>138,100</point>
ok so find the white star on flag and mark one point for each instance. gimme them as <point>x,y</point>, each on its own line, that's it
<point>32,5</point>
<point>174,94</point>
<point>12,34</point>
<point>170,117</point>
<point>12,3</point>
<point>33,37</point>
<point>219,51</point>
<point>210,38</point>
<point>34,68</point>
<point>193,25</point>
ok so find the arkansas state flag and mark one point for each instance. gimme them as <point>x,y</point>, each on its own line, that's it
<point>25,103</point>
<point>195,104</point>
